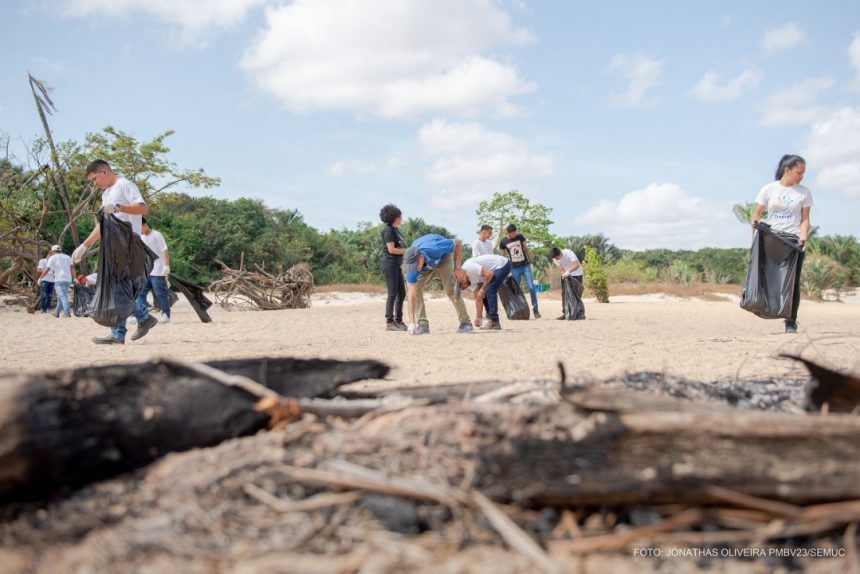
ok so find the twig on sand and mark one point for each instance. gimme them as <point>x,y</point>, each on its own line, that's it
<point>313,503</point>
<point>513,534</point>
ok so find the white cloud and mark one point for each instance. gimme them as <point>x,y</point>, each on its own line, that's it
<point>471,162</point>
<point>470,153</point>
<point>193,18</point>
<point>854,56</point>
<point>786,36</point>
<point>833,146</point>
<point>794,106</point>
<point>660,215</point>
<point>643,75</point>
<point>710,89</point>
<point>388,57</point>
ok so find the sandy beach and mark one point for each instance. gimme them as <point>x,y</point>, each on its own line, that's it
<point>706,340</point>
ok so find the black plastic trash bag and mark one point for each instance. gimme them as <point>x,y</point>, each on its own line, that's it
<point>513,300</point>
<point>769,286</point>
<point>83,298</point>
<point>572,307</point>
<point>125,263</point>
<point>195,296</point>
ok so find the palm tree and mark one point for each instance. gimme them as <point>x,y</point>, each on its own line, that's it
<point>744,212</point>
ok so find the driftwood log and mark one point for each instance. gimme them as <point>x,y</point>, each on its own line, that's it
<point>556,457</point>
<point>69,428</point>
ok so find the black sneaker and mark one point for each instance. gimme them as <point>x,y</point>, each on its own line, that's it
<point>392,326</point>
<point>143,328</point>
<point>537,314</point>
<point>495,326</point>
<point>401,326</point>
<point>562,318</point>
<point>791,326</point>
<point>422,329</point>
<point>108,341</point>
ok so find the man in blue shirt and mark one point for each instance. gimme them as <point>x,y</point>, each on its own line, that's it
<point>430,255</point>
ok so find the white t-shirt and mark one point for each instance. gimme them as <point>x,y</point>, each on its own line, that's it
<point>473,267</point>
<point>566,261</point>
<point>783,205</point>
<point>43,264</point>
<point>155,241</point>
<point>124,192</point>
<point>61,265</point>
<point>482,247</point>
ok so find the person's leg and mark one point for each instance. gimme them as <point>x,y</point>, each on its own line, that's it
<point>119,333</point>
<point>63,297</point>
<point>527,273</point>
<point>517,274</point>
<point>445,272</point>
<point>44,298</point>
<point>160,291</point>
<point>578,288</point>
<point>796,298</point>
<point>420,309</point>
<point>401,295</point>
<point>388,272</point>
<point>141,299</point>
<point>491,294</point>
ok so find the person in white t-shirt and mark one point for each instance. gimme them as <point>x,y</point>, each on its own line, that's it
<point>787,204</point>
<point>483,245</point>
<point>484,275</point>
<point>571,268</point>
<point>160,270</point>
<point>46,284</point>
<point>123,200</point>
<point>60,266</point>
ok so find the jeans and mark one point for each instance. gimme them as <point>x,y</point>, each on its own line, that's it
<point>46,291</point>
<point>62,288</point>
<point>445,272</point>
<point>158,284</point>
<point>491,291</point>
<point>526,270</point>
<point>396,289</point>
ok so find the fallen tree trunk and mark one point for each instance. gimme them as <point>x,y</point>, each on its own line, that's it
<point>659,457</point>
<point>69,428</point>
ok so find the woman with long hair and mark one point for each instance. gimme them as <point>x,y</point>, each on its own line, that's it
<point>788,204</point>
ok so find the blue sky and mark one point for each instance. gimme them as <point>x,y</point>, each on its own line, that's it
<point>644,121</point>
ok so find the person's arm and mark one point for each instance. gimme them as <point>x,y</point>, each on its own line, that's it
<point>479,306</point>
<point>576,265</point>
<point>527,253</point>
<point>804,226</point>
<point>756,215</point>
<point>394,250</point>
<point>134,209</point>
<point>458,253</point>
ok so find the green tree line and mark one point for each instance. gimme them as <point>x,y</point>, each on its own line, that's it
<point>43,201</point>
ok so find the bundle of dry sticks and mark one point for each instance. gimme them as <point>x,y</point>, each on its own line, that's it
<point>240,288</point>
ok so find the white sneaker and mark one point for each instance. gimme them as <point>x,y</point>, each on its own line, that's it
<point>132,321</point>
<point>164,319</point>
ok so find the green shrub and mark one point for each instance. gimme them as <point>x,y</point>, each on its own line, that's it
<point>595,275</point>
<point>626,270</point>
<point>821,273</point>
<point>680,272</point>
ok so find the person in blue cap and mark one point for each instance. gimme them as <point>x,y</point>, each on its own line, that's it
<point>431,255</point>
